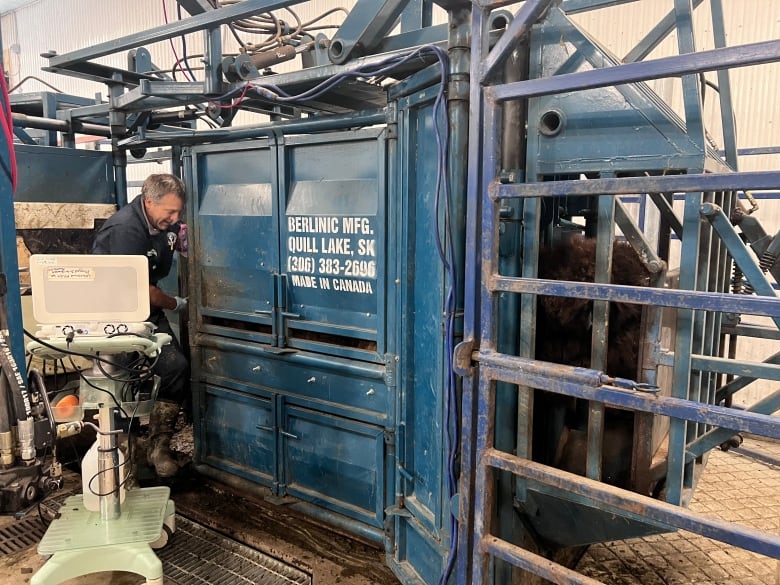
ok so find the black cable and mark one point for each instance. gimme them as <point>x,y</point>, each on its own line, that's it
<point>184,45</point>
<point>20,396</point>
<point>130,368</point>
<point>44,523</point>
<point>18,85</point>
<point>91,385</point>
<point>70,352</point>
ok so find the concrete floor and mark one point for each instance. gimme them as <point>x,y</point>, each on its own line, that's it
<point>741,486</point>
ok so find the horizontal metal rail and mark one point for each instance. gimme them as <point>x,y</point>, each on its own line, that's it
<point>715,437</point>
<point>536,564</point>
<point>576,488</point>
<point>712,60</point>
<point>733,367</point>
<point>210,19</point>
<point>756,181</point>
<point>642,295</point>
<point>594,385</point>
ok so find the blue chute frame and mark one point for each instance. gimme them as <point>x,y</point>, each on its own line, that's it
<point>485,364</point>
<point>26,482</point>
<point>11,308</point>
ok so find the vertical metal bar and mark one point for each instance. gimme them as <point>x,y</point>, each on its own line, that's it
<point>484,497</point>
<point>724,88</point>
<point>458,111</point>
<point>417,14</point>
<point>690,261</point>
<point>600,331</point>
<point>212,80</point>
<point>279,444</point>
<point>530,244</point>
<point>459,51</point>
<point>703,324</point>
<point>727,199</point>
<point>117,121</point>
<point>655,37</point>
<point>529,13</point>
<point>279,188</point>
<point>50,111</point>
<point>10,299</point>
<point>472,294</point>
<point>694,122</point>
<point>514,405</point>
<point>491,137</point>
<point>712,337</point>
<point>108,466</point>
<point>681,376</point>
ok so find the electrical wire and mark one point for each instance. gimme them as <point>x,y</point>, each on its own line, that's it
<point>447,256</point>
<point>184,44</point>
<point>443,231</point>
<point>44,523</point>
<point>76,353</point>
<point>275,30</point>
<point>47,84</point>
<point>6,120</point>
<point>96,387</point>
<point>99,361</point>
<point>325,14</point>
<point>373,71</point>
<point>173,48</point>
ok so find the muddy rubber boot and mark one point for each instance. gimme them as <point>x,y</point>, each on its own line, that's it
<point>161,423</point>
<point>128,474</point>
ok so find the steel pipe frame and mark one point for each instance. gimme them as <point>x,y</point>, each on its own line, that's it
<point>736,247</point>
<point>575,6</point>
<point>575,488</point>
<point>364,27</point>
<point>679,299</point>
<point>690,183</point>
<point>715,437</point>
<point>205,20</point>
<point>301,125</point>
<point>695,329</point>
<point>687,64</point>
<point>483,250</point>
<point>65,126</point>
<point>734,386</point>
<point>476,507</point>
<point>10,300</point>
<point>594,385</point>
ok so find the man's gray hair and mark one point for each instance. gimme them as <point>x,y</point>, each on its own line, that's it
<point>156,186</point>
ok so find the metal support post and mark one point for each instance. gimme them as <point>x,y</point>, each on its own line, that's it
<point>108,466</point>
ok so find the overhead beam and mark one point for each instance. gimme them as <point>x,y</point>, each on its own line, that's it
<point>196,23</point>
<point>741,56</point>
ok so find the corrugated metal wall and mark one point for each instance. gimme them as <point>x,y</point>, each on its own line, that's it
<point>754,89</point>
<point>754,93</point>
<point>67,25</point>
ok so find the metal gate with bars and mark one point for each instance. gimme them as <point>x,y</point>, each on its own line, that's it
<point>596,132</point>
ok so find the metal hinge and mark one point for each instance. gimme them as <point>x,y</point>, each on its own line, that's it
<point>462,360</point>
<point>391,366</point>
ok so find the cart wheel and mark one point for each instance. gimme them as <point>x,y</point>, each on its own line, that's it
<point>165,538</point>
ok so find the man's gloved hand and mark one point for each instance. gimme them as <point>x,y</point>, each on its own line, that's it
<point>181,305</point>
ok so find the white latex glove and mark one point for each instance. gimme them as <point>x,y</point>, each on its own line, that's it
<point>181,305</point>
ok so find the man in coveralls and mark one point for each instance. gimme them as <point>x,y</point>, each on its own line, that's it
<point>149,226</point>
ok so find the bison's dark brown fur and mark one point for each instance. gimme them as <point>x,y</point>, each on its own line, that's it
<point>564,324</point>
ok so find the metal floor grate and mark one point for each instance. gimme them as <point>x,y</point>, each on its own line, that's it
<point>199,555</point>
<point>20,535</point>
